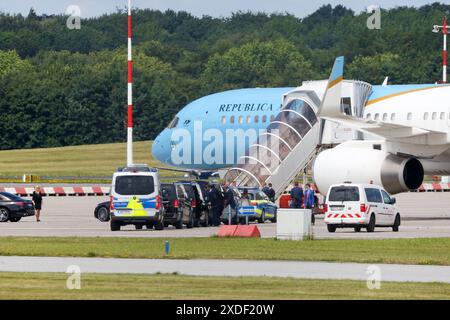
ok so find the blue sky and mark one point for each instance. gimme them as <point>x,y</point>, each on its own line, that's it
<point>300,8</point>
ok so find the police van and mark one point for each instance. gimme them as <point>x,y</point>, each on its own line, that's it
<point>135,199</point>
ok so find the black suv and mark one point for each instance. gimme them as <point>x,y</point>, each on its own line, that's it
<point>13,208</point>
<point>178,206</point>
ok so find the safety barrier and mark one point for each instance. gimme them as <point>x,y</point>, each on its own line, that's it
<point>59,191</point>
<point>434,187</point>
<point>241,231</point>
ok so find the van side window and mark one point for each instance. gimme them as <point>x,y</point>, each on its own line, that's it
<point>386,197</point>
<point>373,195</point>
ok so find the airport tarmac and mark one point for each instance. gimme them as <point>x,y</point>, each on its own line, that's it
<point>424,215</point>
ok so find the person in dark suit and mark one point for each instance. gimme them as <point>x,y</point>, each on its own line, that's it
<point>297,196</point>
<point>216,204</point>
<point>230,201</point>
<point>310,201</point>
<point>229,197</point>
<point>265,189</point>
<point>271,193</point>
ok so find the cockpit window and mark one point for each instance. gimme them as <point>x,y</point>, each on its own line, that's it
<point>173,123</point>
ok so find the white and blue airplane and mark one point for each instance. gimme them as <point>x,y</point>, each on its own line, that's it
<point>406,132</point>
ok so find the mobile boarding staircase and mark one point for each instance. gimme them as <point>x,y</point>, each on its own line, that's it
<point>293,139</point>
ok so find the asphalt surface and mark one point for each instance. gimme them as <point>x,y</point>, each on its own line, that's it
<point>424,215</point>
<point>231,268</point>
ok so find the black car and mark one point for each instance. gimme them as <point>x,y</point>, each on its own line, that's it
<point>101,212</point>
<point>178,205</point>
<point>13,208</point>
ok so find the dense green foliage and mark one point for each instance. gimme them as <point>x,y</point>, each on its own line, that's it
<point>65,87</point>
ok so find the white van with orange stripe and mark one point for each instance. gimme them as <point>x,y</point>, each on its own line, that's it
<point>353,205</point>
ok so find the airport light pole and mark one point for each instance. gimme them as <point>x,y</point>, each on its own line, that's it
<point>130,92</point>
<point>437,29</point>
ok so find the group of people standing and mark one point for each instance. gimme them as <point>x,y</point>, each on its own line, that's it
<point>303,199</point>
<point>219,200</point>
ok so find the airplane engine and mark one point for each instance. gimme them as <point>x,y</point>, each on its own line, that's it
<point>363,165</point>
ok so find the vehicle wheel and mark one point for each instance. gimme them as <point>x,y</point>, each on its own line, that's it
<point>331,227</point>
<point>179,224</point>
<point>371,226</point>
<point>103,214</point>
<point>263,217</point>
<point>357,229</point>
<point>397,222</point>
<point>4,215</point>
<point>149,226</point>
<point>159,225</point>
<point>138,226</point>
<point>15,219</point>
<point>115,226</point>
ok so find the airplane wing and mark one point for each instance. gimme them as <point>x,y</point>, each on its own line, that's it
<point>330,109</point>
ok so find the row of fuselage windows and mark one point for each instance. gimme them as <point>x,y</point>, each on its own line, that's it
<point>409,116</point>
<point>246,119</point>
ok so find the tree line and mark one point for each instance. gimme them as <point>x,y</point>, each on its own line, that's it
<point>62,87</point>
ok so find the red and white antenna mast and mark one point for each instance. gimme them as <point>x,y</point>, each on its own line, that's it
<point>437,29</point>
<point>130,92</point>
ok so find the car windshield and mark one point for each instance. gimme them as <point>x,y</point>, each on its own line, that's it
<point>134,185</point>
<point>344,193</point>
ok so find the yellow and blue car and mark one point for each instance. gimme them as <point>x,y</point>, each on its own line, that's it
<point>263,208</point>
